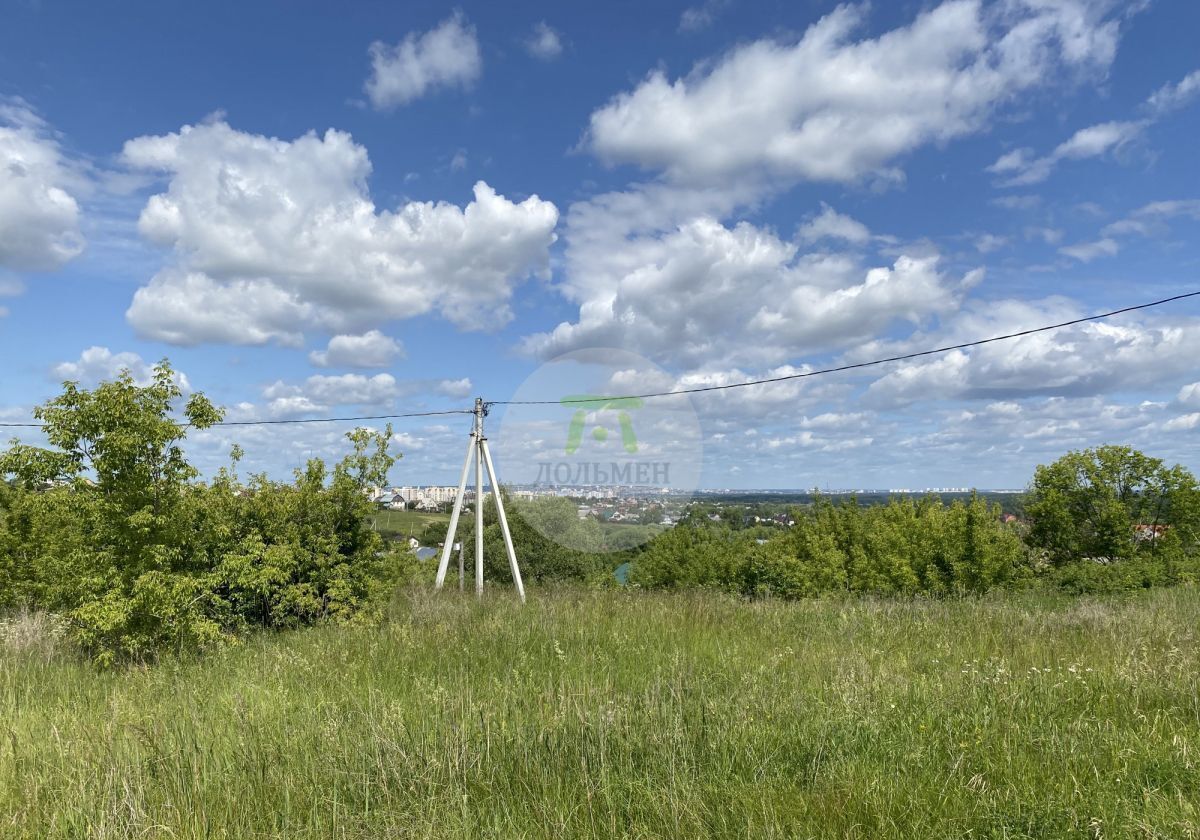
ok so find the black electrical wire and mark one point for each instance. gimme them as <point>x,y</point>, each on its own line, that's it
<point>297,420</point>
<point>706,388</point>
<point>858,365</point>
<point>344,419</point>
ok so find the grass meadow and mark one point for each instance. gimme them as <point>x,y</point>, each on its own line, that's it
<point>627,714</point>
<point>405,523</point>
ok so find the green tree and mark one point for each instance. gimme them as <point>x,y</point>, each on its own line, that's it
<point>370,462</point>
<point>980,552</point>
<point>1087,504</point>
<point>688,555</point>
<point>102,545</point>
<point>109,528</point>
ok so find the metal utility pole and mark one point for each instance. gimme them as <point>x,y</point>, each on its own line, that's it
<point>478,451</point>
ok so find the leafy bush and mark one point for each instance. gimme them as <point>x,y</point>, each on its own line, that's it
<point>905,546</point>
<point>110,531</point>
<point>689,555</point>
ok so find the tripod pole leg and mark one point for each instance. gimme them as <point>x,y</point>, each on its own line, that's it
<point>508,543</point>
<point>458,503</point>
<point>478,518</point>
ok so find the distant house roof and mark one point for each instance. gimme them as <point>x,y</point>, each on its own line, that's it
<point>426,553</point>
<point>1149,532</point>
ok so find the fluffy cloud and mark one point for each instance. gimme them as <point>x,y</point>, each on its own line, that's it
<point>1189,395</point>
<point>833,108</point>
<point>97,364</point>
<point>371,349</point>
<point>347,389</point>
<point>318,394</point>
<point>272,237</point>
<point>830,224</point>
<point>545,42</point>
<point>1021,167</point>
<point>988,242</point>
<point>709,291</point>
<point>445,56</point>
<point>39,216</point>
<point>1083,360</point>
<point>660,269</point>
<point>1183,423</point>
<point>1172,96</point>
<point>190,307</point>
<point>989,438</point>
<point>449,387</point>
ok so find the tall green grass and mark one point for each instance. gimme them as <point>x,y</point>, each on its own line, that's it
<point>613,714</point>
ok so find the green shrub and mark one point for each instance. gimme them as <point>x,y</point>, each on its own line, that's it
<point>110,531</point>
<point>689,555</point>
<point>906,546</point>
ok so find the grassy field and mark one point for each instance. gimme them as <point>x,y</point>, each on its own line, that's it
<point>405,522</point>
<point>613,714</point>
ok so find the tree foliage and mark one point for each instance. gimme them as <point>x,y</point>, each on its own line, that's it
<point>1112,504</point>
<point>906,546</point>
<point>109,528</point>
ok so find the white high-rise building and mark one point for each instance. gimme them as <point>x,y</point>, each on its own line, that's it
<point>414,495</point>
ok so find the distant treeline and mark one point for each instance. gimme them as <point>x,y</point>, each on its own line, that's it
<point>1008,502</point>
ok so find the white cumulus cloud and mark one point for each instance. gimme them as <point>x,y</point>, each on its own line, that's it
<point>665,268</point>
<point>707,291</point>
<point>832,107</point>
<point>1189,395</point>
<point>830,224</point>
<point>39,214</point>
<point>446,56</point>
<point>272,237</point>
<point>1079,361</point>
<point>371,349</point>
<point>320,393</point>
<point>97,364</point>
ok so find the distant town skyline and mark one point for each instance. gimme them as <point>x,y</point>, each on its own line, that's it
<point>383,208</point>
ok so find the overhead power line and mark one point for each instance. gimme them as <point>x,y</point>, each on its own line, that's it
<point>298,420</point>
<point>344,419</point>
<point>858,365</point>
<point>706,388</point>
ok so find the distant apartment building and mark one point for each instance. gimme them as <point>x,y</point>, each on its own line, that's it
<point>412,496</point>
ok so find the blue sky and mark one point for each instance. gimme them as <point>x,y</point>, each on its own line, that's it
<point>397,206</point>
